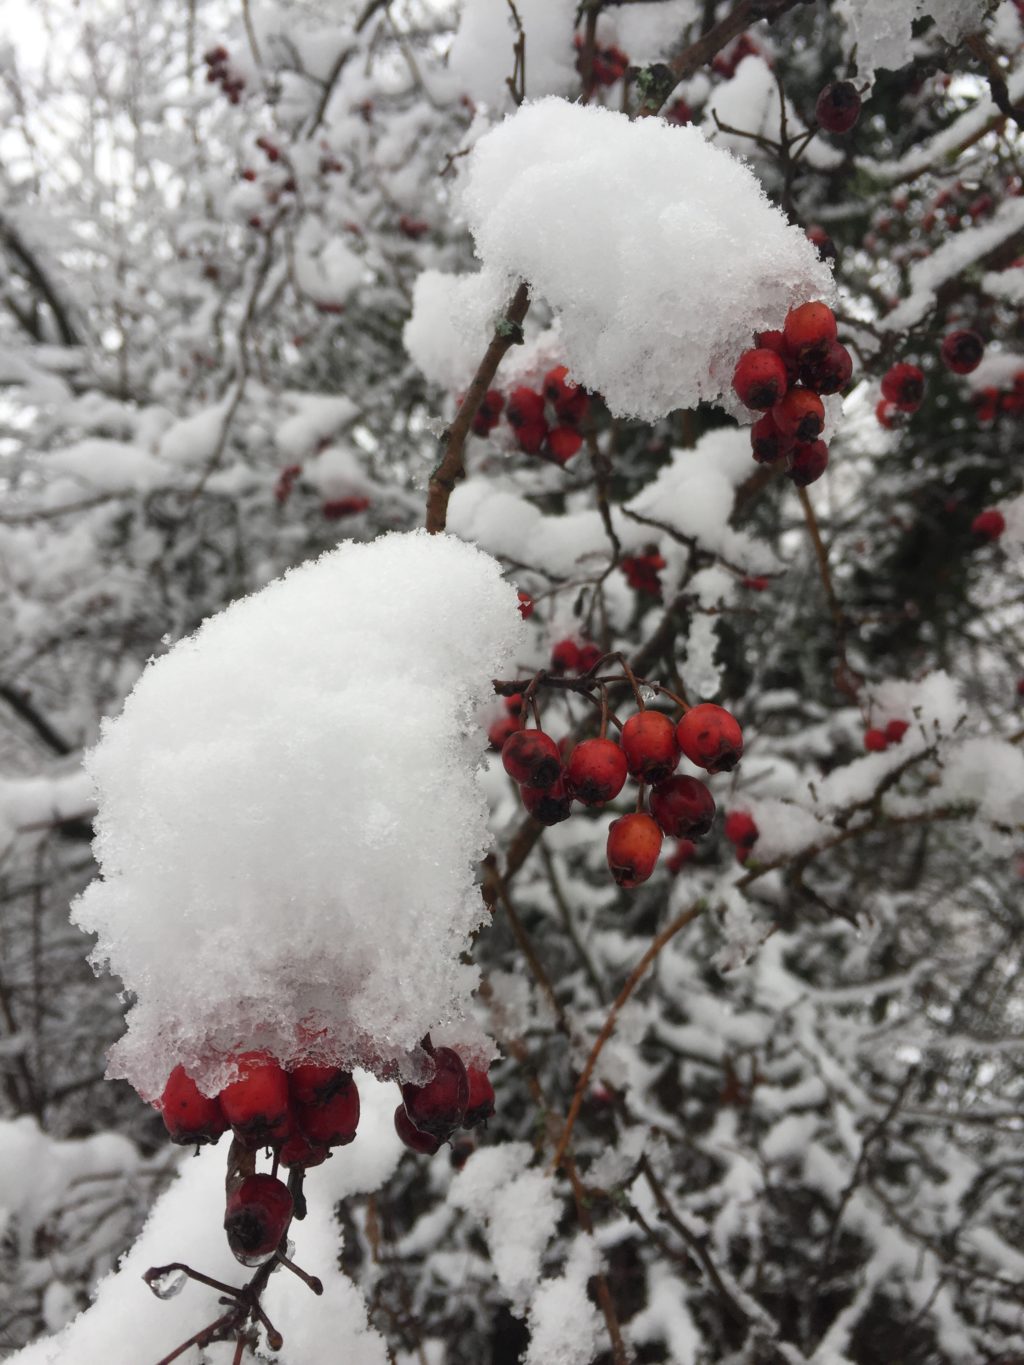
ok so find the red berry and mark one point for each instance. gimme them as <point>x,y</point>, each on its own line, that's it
<point>531,436</point>
<point>895,730</point>
<point>190,1117</point>
<point>309,1084</point>
<point>838,107</point>
<point>480,1105</point>
<point>256,1105</point>
<point>299,1151</point>
<point>634,842</point>
<point>756,584</point>
<point>488,412</point>
<point>338,508</point>
<point>875,741</point>
<point>596,771</point>
<point>550,806</point>
<point>888,414</point>
<point>563,443</point>
<point>989,524</point>
<point>903,385</point>
<point>649,744</point>
<point>711,737</point>
<point>681,855</point>
<point>683,807</point>
<point>962,351</point>
<point>569,400</point>
<point>800,414</point>
<point>531,758</point>
<point>642,572</point>
<point>809,329</point>
<point>500,730</point>
<point>829,372</point>
<point>589,655</point>
<point>759,379</point>
<point>565,656</point>
<point>767,441</point>
<point>331,1121</point>
<point>820,238</point>
<point>525,605</point>
<point>742,832</point>
<point>439,1106</point>
<point>808,462</point>
<point>259,1210</point>
<point>525,408</point>
<point>415,1140</point>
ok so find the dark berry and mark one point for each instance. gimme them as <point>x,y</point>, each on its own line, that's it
<point>809,329</point>
<point>903,384</point>
<point>439,1106</point>
<point>838,107</point>
<point>962,351</point>
<point>413,1138</point>
<point>683,807</point>
<point>480,1105</point>
<point>807,463</point>
<point>259,1210</point>
<point>531,758</point>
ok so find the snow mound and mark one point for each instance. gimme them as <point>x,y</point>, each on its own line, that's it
<point>289,816</point>
<point>660,253</point>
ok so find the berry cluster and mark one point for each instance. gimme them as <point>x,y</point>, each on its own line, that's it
<point>218,72</point>
<point>545,423</point>
<point>990,401</point>
<point>648,750</point>
<point>456,1096</point>
<point>876,740</point>
<point>608,64</point>
<point>643,572</point>
<point>783,377</point>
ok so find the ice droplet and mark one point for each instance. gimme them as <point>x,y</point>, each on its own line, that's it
<point>167,1285</point>
<point>648,694</point>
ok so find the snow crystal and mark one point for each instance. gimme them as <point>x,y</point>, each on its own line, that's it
<point>286,845</point>
<point>565,1325</point>
<point>452,319</point>
<point>881,32</point>
<point>555,194</point>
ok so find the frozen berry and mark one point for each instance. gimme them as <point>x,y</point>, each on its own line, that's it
<point>800,414</point>
<point>299,1151</point>
<point>838,107</point>
<point>413,1138</point>
<point>888,414</point>
<point>190,1117</point>
<point>903,384</point>
<point>256,1105</point>
<point>809,329</point>
<point>767,441</point>
<point>683,807</point>
<point>895,730</point>
<point>759,379</point>
<point>634,842</point>
<point>711,737</point>
<point>817,235</point>
<point>989,525</point>
<point>439,1106</point>
<point>550,805</point>
<point>807,463</point>
<point>643,572</point>
<point>596,771</point>
<point>649,743</point>
<point>259,1210</point>
<point>875,741</point>
<point>962,351</point>
<point>531,758</point>
<point>531,436</point>
<point>480,1105</point>
<point>331,1121</point>
<point>309,1084</point>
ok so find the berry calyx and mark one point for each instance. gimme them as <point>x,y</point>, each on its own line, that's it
<point>190,1117</point>
<point>634,842</point>
<point>808,462</point>
<point>550,805</point>
<point>256,1105</point>
<point>413,1138</point>
<point>259,1210</point>
<point>903,385</point>
<point>962,351</point>
<point>989,525</point>
<point>596,771</point>
<point>439,1106</point>
<point>331,1122</point>
<point>683,807</point>
<point>875,741</point>
<point>480,1105</point>
<point>759,379</point>
<point>799,414</point>
<point>531,758</point>
<point>838,107</point>
<point>650,746</point>
<point>711,738</point>
<point>809,329</point>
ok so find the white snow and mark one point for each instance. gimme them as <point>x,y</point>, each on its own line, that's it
<point>286,844</point>
<point>881,31</point>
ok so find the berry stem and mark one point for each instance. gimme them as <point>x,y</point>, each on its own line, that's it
<point>314,1283</point>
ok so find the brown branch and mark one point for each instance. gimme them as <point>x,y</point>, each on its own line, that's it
<point>508,333</point>
<point>37,276</point>
<point>747,12</point>
<point>22,707</point>
<point>845,679</point>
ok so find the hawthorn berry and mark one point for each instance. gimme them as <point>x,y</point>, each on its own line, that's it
<point>903,384</point>
<point>683,807</point>
<point>531,758</point>
<point>767,441</point>
<point>569,400</point>
<point>256,1105</point>
<point>311,1084</point>
<point>755,583</point>
<point>413,1138</point>
<point>895,730</point>
<point>875,741</point>
<point>589,655</point>
<point>817,235</point>
<point>439,1106</point>
<point>338,508</point>
<point>525,605</point>
<point>838,107</point>
<point>565,656</point>
<point>331,1122</point>
<point>596,771</point>
<point>962,351</point>
<point>501,729</point>
<point>759,380</point>
<point>888,414</point>
<point>680,855</point>
<point>808,462</point>
<point>190,1117</point>
<point>989,525</point>
<point>299,1151</point>
<point>525,408</point>
<point>776,341</point>
<point>800,414</point>
<point>634,842</point>
<point>564,443</point>
<point>530,437</point>
<point>549,805</point>
<point>642,572</point>
<point>488,412</point>
<point>809,329</point>
<point>710,737</point>
<point>742,832</point>
<point>650,746</point>
<point>829,372</point>
<point>259,1210</point>
<point>480,1105</point>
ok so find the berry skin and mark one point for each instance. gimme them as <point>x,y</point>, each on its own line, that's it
<point>480,1106</point>
<point>565,656</point>
<point>488,412</point>
<point>530,437</point>
<point>742,832</point>
<point>711,737</point>
<point>415,1140</point>
<point>817,235</point>
<point>989,525</point>
<point>531,758</point>
<point>895,730</point>
<point>888,414</point>
<point>903,385</point>
<point>809,329</point>
<point>563,443</point>
<point>190,1117</point>
<point>550,806</point>
<point>525,408</point>
<point>683,807</point>
<point>829,372</point>
<point>309,1084</point>
<point>299,1151</point>
<point>569,400</point>
<point>589,655</point>
<point>596,771</point>
<point>838,107</point>
<point>259,1210</point>
<point>799,414</point>
<point>525,605</point>
<point>649,744</point>
<point>875,741</point>
<point>962,351</point>
<point>767,441</point>
<point>776,341</point>
<point>331,1122</point>
<point>634,842</point>
<point>256,1105</point>
<point>500,730</point>
<point>439,1107</point>
<point>808,462</point>
<point>759,380</point>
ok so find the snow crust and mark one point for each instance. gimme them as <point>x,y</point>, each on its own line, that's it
<point>881,31</point>
<point>271,773</point>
